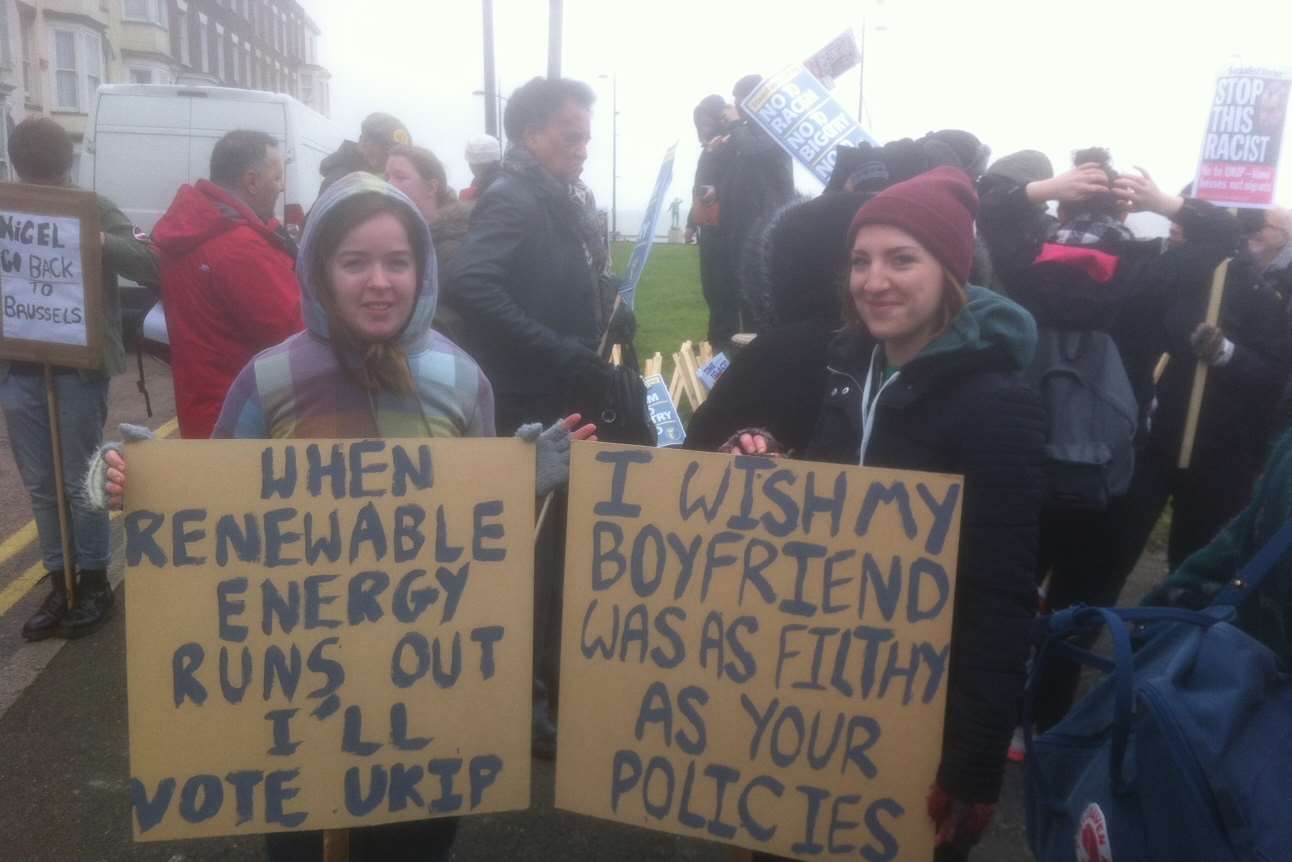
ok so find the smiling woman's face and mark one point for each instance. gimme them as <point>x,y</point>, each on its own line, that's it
<point>896,285</point>
<point>374,278</point>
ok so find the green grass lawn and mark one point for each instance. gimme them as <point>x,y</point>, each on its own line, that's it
<point>670,308</point>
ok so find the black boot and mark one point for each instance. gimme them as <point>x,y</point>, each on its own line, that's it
<point>44,623</point>
<point>92,607</point>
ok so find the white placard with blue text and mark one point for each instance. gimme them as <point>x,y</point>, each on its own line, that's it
<point>800,114</point>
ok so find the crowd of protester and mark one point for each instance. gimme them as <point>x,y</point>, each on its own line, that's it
<point>928,311</point>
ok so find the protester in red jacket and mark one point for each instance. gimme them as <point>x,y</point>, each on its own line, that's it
<point>227,273</point>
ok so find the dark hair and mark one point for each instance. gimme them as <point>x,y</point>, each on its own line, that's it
<point>429,168</point>
<point>710,106</point>
<point>40,150</point>
<point>385,366</point>
<point>745,86</point>
<point>236,153</point>
<point>535,103</point>
<point>382,128</point>
<point>1100,203</point>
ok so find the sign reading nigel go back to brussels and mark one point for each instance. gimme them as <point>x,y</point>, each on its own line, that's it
<point>50,276</point>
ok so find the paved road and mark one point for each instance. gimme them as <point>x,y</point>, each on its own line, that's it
<point>63,738</point>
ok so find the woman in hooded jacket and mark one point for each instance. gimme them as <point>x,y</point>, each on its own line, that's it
<point>368,365</point>
<point>926,376</point>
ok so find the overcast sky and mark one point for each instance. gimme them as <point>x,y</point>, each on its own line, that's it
<point>1130,75</point>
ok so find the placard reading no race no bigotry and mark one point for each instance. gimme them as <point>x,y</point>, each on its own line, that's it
<point>1245,126</point>
<point>755,650</point>
<point>327,634</point>
<point>800,114</point>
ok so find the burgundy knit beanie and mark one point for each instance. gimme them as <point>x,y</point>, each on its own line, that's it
<point>937,208</point>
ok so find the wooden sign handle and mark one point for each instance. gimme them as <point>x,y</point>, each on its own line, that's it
<point>336,845</point>
<point>1200,373</point>
<point>56,443</point>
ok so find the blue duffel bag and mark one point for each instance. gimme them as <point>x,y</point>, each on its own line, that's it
<point>1182,752</point>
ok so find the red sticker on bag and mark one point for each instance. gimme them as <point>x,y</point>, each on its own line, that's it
<point>1092,836</point>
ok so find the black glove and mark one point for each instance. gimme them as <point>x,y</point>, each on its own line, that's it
<point>583,371</point>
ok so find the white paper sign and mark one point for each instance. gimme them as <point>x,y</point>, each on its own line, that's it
<point>42,292</point>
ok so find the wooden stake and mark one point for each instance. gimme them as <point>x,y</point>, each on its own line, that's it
<point>605,336</point>
<point>675,387</point>
<point>690,372</point>
<point>56,442</point>
<point>542,515</point>
<point>1162,362</point>
<point>336,845</point>
<point>1200,374</point>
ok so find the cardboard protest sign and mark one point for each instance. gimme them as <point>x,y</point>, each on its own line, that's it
<point>1240,152</point>
<point>837,57</point>
<point>50,276</point>
<point>646,234</point>
<point>800,114</point>
<point>327,634</point>
<point>755,650</point>
<point>669,430</point>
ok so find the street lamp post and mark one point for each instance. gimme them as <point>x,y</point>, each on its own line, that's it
<point>614,153</point>
<point>499,100</point>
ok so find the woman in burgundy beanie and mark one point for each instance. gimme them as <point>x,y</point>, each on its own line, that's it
<point>925,376</point>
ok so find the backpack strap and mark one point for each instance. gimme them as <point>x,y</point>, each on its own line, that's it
<point>1258,568</point>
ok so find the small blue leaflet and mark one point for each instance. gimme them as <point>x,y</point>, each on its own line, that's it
<point>669,430</point>
<point>712,370</point>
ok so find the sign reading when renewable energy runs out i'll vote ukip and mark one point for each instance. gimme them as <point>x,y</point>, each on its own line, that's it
<point>49,276</point>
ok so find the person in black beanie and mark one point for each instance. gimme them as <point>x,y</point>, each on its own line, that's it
<point>795,269</point>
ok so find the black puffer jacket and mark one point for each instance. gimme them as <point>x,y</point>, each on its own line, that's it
<point>961,407</point>
<point>531,301</point>
<point>797,268</point>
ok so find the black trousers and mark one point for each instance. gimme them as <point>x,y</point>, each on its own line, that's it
<point>549,558</point>
<point>1090,556</point>
<point>719,285</point>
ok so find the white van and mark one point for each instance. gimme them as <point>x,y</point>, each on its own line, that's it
<point>144,141</point>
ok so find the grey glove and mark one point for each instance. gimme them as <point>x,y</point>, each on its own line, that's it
<point>551,456</point>
<point>96,474</point>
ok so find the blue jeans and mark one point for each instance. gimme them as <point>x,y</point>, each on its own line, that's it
<point>82,409</point>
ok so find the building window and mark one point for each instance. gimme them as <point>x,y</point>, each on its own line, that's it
<point>145,11</point>
<point>219,52</point>
<point>148,75</point>
<point>181,26</point>
<point>204,36</point>
<point>26,25</point>
<point>78,68</point>
<point>4,141</point>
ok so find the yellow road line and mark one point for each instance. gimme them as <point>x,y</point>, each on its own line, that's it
<point>17,542</point>
<point>26,534</point>
<point>10,595</point>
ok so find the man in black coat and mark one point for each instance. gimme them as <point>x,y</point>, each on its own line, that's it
<point>527,282</point>
<point>527,279</point>
<point>757,179</point>
<point>377,135</point>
